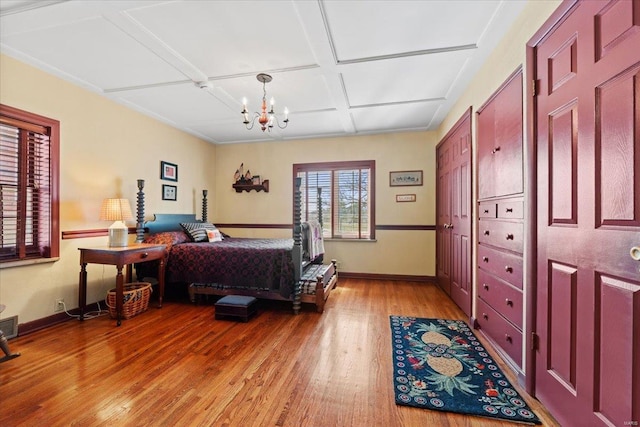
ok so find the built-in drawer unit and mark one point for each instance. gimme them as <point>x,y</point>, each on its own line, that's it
<point>504,265</point>
<point>507,336</point>
<point>488,210</point>
<point>504,298</point>
<point>510,209</point>
<point>502,234</point>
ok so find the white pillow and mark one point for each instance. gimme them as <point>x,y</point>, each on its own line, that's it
<point>214,235</point>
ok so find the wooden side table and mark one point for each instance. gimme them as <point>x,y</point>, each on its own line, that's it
<point>120,256</point>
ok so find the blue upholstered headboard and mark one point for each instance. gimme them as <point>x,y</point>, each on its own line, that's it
<point>168,222</point>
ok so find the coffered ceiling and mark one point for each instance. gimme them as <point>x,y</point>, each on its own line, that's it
<point>340,67</point>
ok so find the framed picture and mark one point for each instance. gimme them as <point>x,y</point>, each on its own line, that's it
<point>405,197</point>
<point>169,192</point>
<point>255,180</point>
<point>168,171</point>
<point>405,178</point>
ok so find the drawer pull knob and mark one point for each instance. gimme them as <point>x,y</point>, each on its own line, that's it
<point>486,232</point>
<point>485,316</point>
<point>509,302</point>
<point>509,236</point>
<point>485,259</point>
<point>495,150</point>
<point>144,255</point>
<point>485,286</point>
<point>508,269</point>
<point>486,211</point>
<point>509,210</point>
<point>508,338</point>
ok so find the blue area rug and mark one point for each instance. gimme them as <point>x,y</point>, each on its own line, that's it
<point>440,364</point>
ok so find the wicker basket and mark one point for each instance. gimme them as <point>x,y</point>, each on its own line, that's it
<point>136,299</point>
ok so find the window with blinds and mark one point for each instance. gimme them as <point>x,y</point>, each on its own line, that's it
<point>341,194</point>
<point>28,196</point>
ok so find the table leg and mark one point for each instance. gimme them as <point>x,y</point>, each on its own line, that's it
<point>119,294</point>
<point>161,282</point>
<point>82,291</point>
<point>129,273</point>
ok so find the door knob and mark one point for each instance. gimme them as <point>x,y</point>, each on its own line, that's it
<point>635,253</point>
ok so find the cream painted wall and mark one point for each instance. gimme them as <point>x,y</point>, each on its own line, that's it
<point>394,252</point>
<point>105,147</point>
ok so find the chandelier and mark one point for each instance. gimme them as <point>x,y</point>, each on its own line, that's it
<point>265,118</point>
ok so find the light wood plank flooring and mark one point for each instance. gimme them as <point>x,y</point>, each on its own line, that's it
<point>179,366</point>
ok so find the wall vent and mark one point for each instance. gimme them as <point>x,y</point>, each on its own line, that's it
<point>9,327</point>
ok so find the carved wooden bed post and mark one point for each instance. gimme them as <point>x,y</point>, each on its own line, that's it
<point>140,213</point>
<point>204,205</point>
<point>297,245</point>
<point>320,206</point>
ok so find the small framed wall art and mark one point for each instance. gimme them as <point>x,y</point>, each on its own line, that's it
<point>405,178</point>
<point>168,171</point>
<point>169,192</point>
<point>405,197</point>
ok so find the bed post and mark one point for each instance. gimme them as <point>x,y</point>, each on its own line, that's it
<point>320,206</point>
<point>297,245</point>
<point>204,205</point>
<point>140,213</point>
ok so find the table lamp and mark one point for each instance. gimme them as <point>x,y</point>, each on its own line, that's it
<point>117,210</point>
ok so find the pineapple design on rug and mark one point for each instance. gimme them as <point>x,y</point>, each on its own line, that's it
<point>440,364</point>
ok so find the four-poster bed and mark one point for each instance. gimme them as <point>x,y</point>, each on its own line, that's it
<point>276,269</point>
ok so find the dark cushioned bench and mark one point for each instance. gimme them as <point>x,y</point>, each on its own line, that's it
<point>239,306</point>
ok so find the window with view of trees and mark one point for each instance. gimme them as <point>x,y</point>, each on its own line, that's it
<point>29,170</point>
<point>347,195</point>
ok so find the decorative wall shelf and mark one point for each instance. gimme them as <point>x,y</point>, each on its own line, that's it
<point>248,187</point>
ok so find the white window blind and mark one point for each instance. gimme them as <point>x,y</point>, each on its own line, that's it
<point>347,190</point>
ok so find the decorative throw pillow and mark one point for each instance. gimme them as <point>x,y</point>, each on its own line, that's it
<point>214,235</point>
<point>198,230</point>
<point>167,238</point>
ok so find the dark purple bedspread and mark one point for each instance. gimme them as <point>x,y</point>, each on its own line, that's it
<point>265,264</point>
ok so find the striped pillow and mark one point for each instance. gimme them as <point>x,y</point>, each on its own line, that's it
<point>197,230</point>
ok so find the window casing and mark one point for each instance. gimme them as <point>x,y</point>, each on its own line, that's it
<point>29,176</point>
<point>347,194</point>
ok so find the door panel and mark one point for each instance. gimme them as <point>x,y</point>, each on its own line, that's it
<point>453,233</point>
<point>443,207</point>
<point>588,152</point>
<point>461,214</point>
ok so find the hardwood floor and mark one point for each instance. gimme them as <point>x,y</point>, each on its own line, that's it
<point>179,366</point>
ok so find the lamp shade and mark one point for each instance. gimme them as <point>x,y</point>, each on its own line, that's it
<point>117,210</point>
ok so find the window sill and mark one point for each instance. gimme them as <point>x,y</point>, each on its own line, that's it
<point>327,239</point>
<point>25,262</point>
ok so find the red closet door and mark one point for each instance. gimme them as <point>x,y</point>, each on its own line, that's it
<point>461,214</point>
<point>588,285</point>
<point>453,207</point>
<point>443,209</point>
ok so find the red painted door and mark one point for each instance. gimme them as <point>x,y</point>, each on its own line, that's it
<point>454,213</point>
<point>443,209</point>
<point>588,149</point>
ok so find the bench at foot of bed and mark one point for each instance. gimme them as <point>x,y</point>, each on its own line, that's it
<point>316,284</point>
